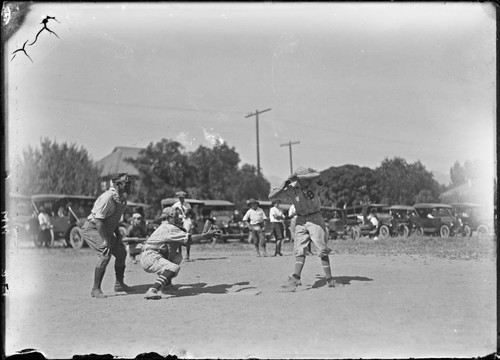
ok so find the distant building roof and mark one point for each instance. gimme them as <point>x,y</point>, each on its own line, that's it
<point>115,162</point>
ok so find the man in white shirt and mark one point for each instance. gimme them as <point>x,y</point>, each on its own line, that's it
<point>45,235</point>
<point>276,217</point>
<point>255,217</point>
<point>185,211</point>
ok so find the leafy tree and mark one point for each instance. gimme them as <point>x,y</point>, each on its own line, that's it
<point>249,184</point>
<point>402,183</point>
<point>457,175</point>
<point>348,185</point>
<point>163,170</point>
<point>57,168</point>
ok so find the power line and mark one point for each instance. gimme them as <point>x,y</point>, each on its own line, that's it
<point>289,144</point>
<point>256,114</point>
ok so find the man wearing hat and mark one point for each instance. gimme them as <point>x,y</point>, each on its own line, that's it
<point>302,189</point>
<point>185,211</point>
<point>101,232</point>
<point>136,230</point>
<point>161,252</point>
<point>255,217</point>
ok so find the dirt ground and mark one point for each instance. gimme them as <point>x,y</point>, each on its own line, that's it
<point>229,305</point>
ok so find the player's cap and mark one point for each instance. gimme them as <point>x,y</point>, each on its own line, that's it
<point>168,212</point>
<point>252,201</point>
<point>303,173</point>
<point>119,177</point>
<point>180,194</point>
<point>136,216</point>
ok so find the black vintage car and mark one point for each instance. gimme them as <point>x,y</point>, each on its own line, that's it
<point>339,226</point>
<point>360,214</point>
<point>473,218</point>
<point>67,215</point>
<point>403,221</point>
<point>438,219</point>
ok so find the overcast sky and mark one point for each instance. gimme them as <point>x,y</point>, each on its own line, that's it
<point>353,82</point>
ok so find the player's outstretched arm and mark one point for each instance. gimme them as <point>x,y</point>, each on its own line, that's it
<point>205,236</point>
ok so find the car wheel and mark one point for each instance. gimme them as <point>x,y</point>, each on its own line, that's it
<point>444,231</point>
<point>75,238</point>
<point>419,232</point>
<point>355,233</point>
<point>38,241</point>
<point>384,232</point>
<point>466,232</point>
<point>406,231</point>
<point>482,230</point>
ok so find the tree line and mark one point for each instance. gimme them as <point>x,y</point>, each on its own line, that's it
<point>215,173</point>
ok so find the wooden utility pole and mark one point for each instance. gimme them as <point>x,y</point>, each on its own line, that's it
<point>289,144</point>
<point>256,114</point>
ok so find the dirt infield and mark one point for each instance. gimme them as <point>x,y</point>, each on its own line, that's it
<point>228,305</point>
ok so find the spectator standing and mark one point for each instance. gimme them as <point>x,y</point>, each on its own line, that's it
<point>45,233</point>
<point>184,207</point>
<point>276,218</point>
<point>255,217</point>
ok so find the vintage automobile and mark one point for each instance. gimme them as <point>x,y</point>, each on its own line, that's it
<point>360,214</point>
<point>473,219</point>
<point>21,220</point>
<point>338,225</point>
<point>222,214</point>
<point>67,214</point>
<point>438,219</point>
<point>403,221</point>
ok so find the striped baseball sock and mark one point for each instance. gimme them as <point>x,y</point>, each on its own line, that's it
<point>325,263</point>
<point>164,277</point>
<point>299,264</point>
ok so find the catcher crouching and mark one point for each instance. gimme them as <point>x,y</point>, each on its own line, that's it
<point>162,253</point>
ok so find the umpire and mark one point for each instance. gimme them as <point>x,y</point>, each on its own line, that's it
<point>101,232</point>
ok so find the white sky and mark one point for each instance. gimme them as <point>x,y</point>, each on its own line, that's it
<point>353,82</point>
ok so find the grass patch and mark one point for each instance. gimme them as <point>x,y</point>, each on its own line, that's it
<point>449,248</point>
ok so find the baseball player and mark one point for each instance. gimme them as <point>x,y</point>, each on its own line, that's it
<point>185,212</point>
<point>255,217</point>
<point>302,189</point>
<point>161,253</point>
<point>101,232</point>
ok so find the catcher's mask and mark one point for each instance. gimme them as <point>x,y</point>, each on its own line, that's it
<point>127,181</point>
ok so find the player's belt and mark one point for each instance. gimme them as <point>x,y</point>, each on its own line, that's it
<point>309,214</point>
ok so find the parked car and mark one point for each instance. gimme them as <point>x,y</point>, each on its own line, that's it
<point>403,221</point>
<point>67,215</point>
<point>338,225</point>
<point>21,218</point>
<point>221,213</point>
<point>438,219</point>
<point>473,219</point>
<point>360,214</point>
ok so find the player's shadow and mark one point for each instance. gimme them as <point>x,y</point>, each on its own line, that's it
<point>202,288</point>
<point>339,280</point>
<point>193,289</point>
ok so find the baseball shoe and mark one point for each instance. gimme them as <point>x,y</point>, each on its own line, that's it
<point>330,282</point>
<point>291,284</point>
<point>98,294</point>
<point>152,294</point>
